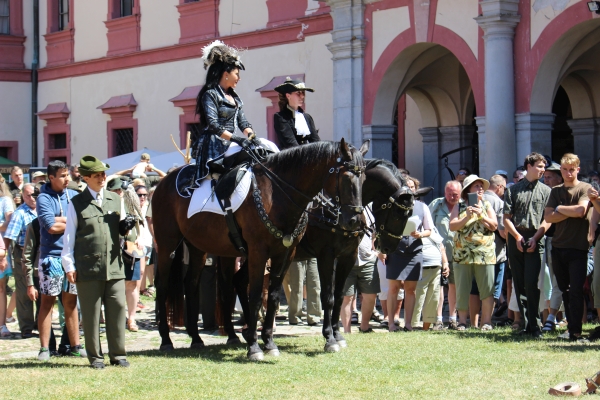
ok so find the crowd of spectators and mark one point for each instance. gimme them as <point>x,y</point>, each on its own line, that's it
<point>522,254</point>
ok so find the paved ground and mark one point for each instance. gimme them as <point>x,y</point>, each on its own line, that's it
<point>147,338</point>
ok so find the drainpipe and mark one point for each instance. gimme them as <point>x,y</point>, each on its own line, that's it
<point>34,82</point>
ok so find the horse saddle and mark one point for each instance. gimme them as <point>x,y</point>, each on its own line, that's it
<point>227,182</point>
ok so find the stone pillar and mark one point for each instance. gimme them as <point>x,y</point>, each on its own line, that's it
<point>381,140</point>
<point>347,49</point>
<point>498,22</point>
<point>534,133</point>
<point>431,159</point>
<point>585,140</point>
<point>454,137</point>
<point>480,121</point>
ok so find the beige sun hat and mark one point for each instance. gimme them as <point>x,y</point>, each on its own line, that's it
<point>469,180</point>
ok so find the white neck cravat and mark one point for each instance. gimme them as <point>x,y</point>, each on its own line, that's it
<point>300,124</point>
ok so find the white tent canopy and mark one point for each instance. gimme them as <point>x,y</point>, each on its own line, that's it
<point>126,161</point>
<point>168,160</point>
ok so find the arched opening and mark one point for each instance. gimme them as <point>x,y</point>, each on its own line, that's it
<point>567,85</point>
<point>562,134</point>
<point>426,99</point>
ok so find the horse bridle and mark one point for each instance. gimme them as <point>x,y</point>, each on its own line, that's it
<point>326,203</point>
<point>387,207</point>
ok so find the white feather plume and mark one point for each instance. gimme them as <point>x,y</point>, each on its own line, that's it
<point>206,49</point>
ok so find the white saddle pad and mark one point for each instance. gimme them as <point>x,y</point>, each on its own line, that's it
<point>202,201</point>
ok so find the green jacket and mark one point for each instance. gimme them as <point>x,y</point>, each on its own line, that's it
<point>97,250</point>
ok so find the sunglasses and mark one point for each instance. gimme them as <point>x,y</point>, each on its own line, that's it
<point>462,173</point>
<point>142,194</point>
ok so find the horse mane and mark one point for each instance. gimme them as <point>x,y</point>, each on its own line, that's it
<point>375,162</point>
<point>308,155</point>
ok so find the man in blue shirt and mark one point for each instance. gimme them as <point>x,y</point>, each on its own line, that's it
<point>15,232</point>
<point>52,207</point>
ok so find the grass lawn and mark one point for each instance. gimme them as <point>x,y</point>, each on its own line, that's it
<point>468,365</point>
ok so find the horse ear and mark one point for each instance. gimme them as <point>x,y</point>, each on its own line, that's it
<point>423,191</point>
<point>365,147</point>
<point>346,153</point>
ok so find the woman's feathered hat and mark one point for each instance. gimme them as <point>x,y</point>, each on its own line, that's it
<point>218,51</point>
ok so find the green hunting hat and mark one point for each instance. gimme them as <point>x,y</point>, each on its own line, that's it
<point>89,165</point>
<point>553,167</point>
<point>115,184</point>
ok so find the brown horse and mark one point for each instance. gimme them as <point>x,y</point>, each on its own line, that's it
<point>284,184</point>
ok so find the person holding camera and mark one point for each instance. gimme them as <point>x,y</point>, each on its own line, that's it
<point>474,252</point>
<point>92,259</point>
<point>524,204</point>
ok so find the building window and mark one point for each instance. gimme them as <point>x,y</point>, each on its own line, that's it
<point>4,17</point>
<point>123,141</point>
<point>191,1</point>
<point>57,141</point>
<point>4,152</point>
<point>63,15</point>
<point>126,8</point>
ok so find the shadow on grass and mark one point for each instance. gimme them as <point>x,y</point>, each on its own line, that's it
<point>38,365</point>
<point>551,341</point>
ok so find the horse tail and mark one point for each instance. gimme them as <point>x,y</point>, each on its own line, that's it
<point>175,292</point>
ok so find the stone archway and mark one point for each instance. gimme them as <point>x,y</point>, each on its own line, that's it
<point>426,79</point>
<point>573,64</point>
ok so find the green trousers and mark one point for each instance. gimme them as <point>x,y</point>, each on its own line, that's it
<point>25,312</point>
<point>92,295</point>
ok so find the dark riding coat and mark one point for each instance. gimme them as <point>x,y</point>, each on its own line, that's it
<point>285,127</point>
<point>221,115</point>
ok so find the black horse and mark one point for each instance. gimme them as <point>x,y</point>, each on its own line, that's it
<point>271,219</point>
<point>392,205</point>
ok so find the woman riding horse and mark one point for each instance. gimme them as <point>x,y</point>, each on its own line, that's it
<point>219,106</point>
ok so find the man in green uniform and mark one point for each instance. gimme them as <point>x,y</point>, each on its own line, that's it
<point>92,259</point>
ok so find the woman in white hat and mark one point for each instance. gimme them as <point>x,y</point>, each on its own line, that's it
<point>474,252</point>
<point>292,125</point>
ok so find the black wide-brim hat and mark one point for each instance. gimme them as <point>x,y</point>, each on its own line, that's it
<point>292,85</point>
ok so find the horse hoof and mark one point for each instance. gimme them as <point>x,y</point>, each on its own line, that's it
<point>332,348</point>
<point>256,356</point>
<point>273,353</point>
<point>342,343</point>
<point>232,341</point>
<point>199,345</point>
<point>166,347</point>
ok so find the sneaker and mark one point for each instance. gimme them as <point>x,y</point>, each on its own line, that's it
<point>579,339</point>
<point>452,325</point>
<point>77,351</point>
<point>10,320</point>
<point>564,335</point>
<point>97,365</point>
<point>438,326</point>
<point>4,332</point>
<point>44,354</point>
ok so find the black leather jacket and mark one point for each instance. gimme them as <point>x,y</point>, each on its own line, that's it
<point>285,127</point>
<point>220,114</point>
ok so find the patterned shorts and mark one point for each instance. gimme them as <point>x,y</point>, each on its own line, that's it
<point>54,285</point>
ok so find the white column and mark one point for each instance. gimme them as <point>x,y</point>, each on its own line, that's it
<point>534,133</point>
<point>381,140</point>
<point>585,141</point>
<point>498,21</point>
<point>347,49</point>
<point>480,121</point>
